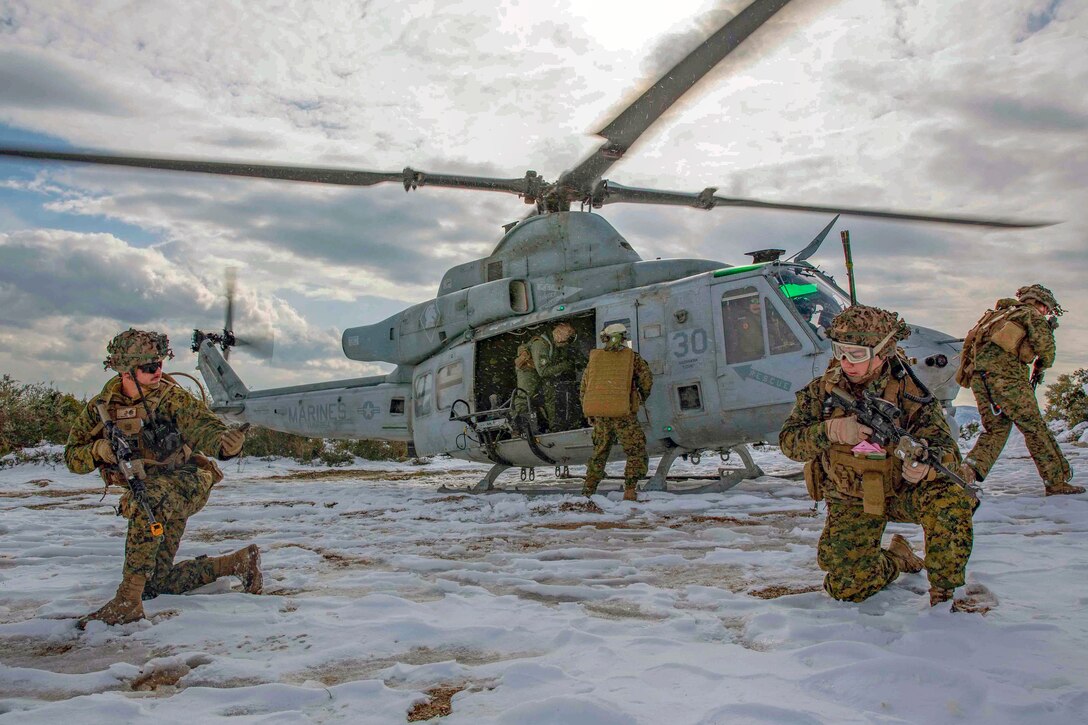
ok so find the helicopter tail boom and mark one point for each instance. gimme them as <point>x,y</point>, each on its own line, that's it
<point>227,389</point>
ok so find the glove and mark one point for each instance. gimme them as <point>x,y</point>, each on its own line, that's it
<point>230,443</point>
<point>101,451</point>
<point>847,430</point>
<point>913,471</point>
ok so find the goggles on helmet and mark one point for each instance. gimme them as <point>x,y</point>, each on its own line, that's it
<point>857,353</point>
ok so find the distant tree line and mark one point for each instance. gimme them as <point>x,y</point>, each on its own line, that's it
<point>32,414</point>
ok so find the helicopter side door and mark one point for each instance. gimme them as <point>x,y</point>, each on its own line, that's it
<point>762,355</point>
<point>437,384</point>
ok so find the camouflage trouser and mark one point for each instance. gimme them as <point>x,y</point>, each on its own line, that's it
<point>560,404</point>
<point>1019,407</point>
<point>606,431</point>
<point>850,553</point>
<point>174,497</point>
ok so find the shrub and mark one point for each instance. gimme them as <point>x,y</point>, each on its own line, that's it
<point>969,430</point>
<point>373,450</point>
<point>1066,400</point>
<point>263,443</point>
<point>33,413</point>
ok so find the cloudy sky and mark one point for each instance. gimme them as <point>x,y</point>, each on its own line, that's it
<point>936,105</point>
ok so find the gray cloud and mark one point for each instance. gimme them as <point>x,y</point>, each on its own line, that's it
<point>918,105</point>
<point>34,80</point>
<point>1003,112</point>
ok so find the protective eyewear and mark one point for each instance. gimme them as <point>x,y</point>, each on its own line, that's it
<point>150,368</point>
<point>857,353</point>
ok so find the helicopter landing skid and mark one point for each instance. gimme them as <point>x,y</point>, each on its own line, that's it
<point>726,479</point>
<point>484,485</point>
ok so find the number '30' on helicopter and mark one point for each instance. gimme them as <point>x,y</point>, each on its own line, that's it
<point>728,345</point>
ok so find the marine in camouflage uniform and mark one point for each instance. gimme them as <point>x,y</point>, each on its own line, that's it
<point>626,430</point>
<point>849,549</point>
<point>177,483</point>
<point>527,382</point>
<point>557,362</point>
<point>1004,394</point>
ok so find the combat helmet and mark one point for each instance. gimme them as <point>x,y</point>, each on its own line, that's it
<point>136,347</point>
<point>563,332</point>
<point>1039,293</point>
<point>869,326</point>
<point>616,328</point>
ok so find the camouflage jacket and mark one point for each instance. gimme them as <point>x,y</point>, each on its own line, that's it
<point>555,361</point>
<point>642,382</point>
<point>200,429</point>
<point>991,358</point>
<point>804,438</point>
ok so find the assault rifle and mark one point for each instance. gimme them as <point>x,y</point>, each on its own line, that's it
<point>1036,378</point>
<point>883,417</point>
<point>131,467</point>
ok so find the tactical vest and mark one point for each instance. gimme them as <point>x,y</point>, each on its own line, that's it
<point>871,480</point>
<point>609,391</point>
<point>131,418</point>
<point>996,327</point>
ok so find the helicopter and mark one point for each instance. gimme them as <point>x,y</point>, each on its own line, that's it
<point>729,345</point>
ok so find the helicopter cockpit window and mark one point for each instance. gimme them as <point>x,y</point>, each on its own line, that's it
<point>742,317</point>
<point>450,382</point>
<point>779,335</point>
<point>815,301</point>
<point>422,395</point>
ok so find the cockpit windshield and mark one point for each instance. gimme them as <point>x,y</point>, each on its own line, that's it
<point>815,300</point>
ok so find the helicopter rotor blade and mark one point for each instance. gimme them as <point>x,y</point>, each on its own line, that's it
<point>608,192</point>
<point>623,130</point>
<point>230,279</point>
<point>409,178</point>
<point>259,346</point>
<point>814,245</point>
<point>231,284</point>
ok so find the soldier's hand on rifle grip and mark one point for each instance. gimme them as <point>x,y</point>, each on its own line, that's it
<point>230,443</point>
<point>101,451</point>
<point>914,471</point>
<point>847,430</point>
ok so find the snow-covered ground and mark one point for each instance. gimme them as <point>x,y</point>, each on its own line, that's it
<point>380,589</point>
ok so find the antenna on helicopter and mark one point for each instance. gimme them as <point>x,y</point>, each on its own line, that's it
<point>845,236</point>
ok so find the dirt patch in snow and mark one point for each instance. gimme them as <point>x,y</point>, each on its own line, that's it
<point>334,474</point>
<point>437,703</point>
<point>63,493</point>
<point>587,507</point>
<point>775,591</point>
<point>600,525</point>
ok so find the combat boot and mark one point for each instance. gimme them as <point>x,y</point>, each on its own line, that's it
<point>244,564</point>
<point>1058,489</point>
<point>937,595</point>
<point>126,605</point>
<point>903,555</point>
